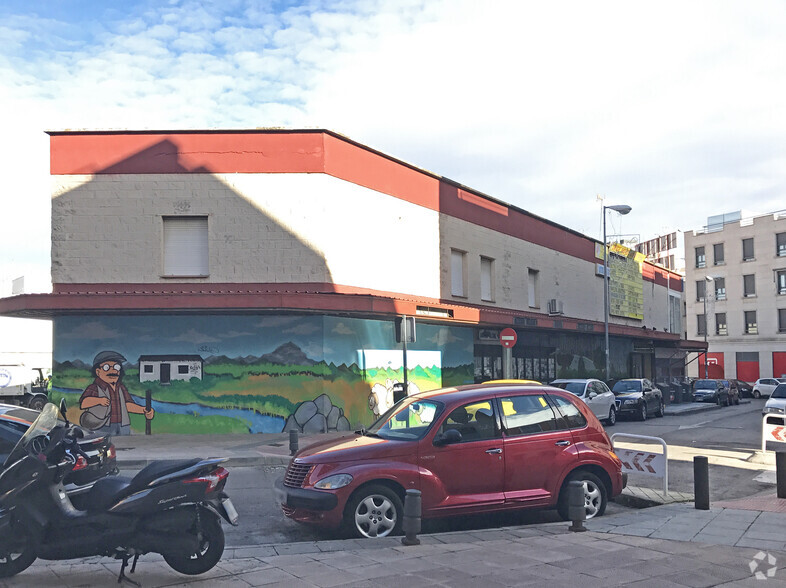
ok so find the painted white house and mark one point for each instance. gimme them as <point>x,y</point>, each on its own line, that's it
<point>165,368</point>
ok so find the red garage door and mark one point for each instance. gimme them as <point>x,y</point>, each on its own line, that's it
<point>715,367</point>
<point>779,364</point>
<point>748,366</point>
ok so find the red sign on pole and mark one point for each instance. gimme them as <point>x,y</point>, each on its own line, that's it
<point>508,337</point>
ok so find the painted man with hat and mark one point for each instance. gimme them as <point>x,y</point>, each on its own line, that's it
<point>106,402</point>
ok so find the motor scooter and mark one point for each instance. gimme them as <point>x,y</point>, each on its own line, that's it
<point>171,507</point>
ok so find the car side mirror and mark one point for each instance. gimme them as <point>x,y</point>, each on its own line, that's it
<point>448,438</point>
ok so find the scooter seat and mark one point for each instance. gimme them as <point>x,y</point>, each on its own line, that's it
<point>158,469</point>
<point>110,489</point>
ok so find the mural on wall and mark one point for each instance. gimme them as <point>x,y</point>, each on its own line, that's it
<point>383,368</point>
<point>106,403</point>
<point>249,373</point>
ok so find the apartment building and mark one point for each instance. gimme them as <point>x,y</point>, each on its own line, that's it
<point>736,295</point>
<point>281,262</point>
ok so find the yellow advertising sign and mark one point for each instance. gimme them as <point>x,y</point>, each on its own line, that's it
<point>626,286</point>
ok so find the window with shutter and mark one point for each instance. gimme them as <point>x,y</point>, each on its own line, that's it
<point>185,246</point>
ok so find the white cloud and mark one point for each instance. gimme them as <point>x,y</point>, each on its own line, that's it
<point>676,110</point>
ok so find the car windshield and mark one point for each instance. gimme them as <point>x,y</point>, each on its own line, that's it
<point>779,392</point>
<point>43,425</point>
<point>624,386</point>
<point>704,385</point>
<point>409,419</point>
<point>576,388</point>
<point>781,380</point>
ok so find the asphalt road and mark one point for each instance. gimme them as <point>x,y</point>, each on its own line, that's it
<point>728,435</point>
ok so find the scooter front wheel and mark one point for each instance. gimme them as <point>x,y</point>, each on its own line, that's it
<point>211,548</point>
<point>17,554</point>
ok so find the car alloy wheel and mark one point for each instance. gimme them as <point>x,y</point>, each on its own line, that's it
<point>756,394</point>
<point>375,511</point>
<point>595,495</point>
<point>612,420</point>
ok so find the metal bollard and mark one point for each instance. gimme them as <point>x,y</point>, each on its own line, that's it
<point>577,511</point>
<point>292,441</point>
<point>411,523</point>
<point>701,482</point>
<point>780,473</point>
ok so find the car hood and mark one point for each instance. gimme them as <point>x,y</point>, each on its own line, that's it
<point>628,395</point>
<point>354,448</point>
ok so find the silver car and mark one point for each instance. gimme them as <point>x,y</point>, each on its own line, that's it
<point>595,394</point>
<point>777,401</point>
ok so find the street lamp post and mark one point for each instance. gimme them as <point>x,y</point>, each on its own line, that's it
<point>622,209</point>
<point>706,326</point>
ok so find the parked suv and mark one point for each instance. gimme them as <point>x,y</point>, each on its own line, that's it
<point>471,449</point>
<point>711,391</point>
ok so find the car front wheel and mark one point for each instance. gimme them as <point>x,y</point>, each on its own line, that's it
<point>643,411</point>
<point>612,420</point>
<point>595,495</point>
<point>374,511</point>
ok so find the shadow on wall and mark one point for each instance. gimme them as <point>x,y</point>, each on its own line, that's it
<point>110,230</point>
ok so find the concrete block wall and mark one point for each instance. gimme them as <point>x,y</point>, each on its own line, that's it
<point>262,228</point>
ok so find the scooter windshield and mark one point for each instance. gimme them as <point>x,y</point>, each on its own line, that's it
<point>43,425</point>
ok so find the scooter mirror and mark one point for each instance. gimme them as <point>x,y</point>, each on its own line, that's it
<point>63,409</point>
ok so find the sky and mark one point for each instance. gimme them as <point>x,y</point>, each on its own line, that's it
<point>674,108</point>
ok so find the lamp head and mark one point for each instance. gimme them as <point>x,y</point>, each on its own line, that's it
<point>709,278</point>
<point>620,208</point>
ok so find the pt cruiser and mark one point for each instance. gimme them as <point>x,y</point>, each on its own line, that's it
<point>469,449</point>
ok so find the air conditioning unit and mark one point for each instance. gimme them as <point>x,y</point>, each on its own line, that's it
<point>555,307</point>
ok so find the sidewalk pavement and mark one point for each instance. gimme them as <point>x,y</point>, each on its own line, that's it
<point>667,546</point>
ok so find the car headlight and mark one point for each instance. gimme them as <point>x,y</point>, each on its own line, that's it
<point>773,409</point>
<point>633,401</point>
<point>333,482</point>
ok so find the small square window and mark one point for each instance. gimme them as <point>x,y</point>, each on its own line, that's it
<point>148,368</point>
<point>185,246</point>
<point>751,327</point>
<point>780,244</point>
<point>782,320</point>
<point>749,285</point>
<point>486,279</point>
<point>458,270</point>
<point>701,324</point>
<point>720,323</point>
<point>701,260</point>
<point>717,251</point>
<point>182,369</point>
<point>747,249</point>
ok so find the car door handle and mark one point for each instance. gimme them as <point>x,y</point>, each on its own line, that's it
<point>562,443</point>
<point>496,450</point>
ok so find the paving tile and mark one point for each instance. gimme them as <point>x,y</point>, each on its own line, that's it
<point>268,576</point>
<point>246,552</point>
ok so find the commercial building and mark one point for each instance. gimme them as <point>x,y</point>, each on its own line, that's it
<point>736,295</point>
<point>280,261</point>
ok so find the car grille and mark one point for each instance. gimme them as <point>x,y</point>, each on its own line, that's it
<point>296,475</point>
